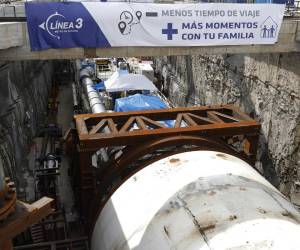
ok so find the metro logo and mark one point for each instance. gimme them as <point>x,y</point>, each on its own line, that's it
<point>66,25</point>
<point>56,23</point>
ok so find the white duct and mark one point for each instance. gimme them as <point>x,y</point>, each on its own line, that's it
<point>96,104</point>
<point>94,98</point>
<point>95,101</point>
<point>74,92</point>
<point>197,200</point>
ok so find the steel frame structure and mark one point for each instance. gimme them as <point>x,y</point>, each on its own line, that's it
<point>21,218</point>
<point>136,139</point>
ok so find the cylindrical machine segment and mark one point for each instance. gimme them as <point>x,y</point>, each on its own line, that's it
<point>197,200</point>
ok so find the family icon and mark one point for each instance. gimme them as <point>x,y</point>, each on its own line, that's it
<point>268,28</point>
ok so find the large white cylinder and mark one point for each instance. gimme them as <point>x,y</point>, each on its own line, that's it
<point>197,200</point>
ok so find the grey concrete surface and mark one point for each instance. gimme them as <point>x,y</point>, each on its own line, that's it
<point>11,35</point>
<point>12,10</point>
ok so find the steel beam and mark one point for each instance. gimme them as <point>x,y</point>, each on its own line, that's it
<point>201,121</point>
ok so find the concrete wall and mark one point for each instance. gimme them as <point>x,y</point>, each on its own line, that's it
<point>24,88</point>
<point>267,86</point>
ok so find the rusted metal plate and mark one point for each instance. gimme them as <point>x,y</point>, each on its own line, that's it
<point>24,216</point>
<point>98,140</point>
<point>8,197</point>
<point>163,114</point>
<point>128,128</point>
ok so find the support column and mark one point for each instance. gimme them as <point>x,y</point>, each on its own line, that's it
<point>86,181</point>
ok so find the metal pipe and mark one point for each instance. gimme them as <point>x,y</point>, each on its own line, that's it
<point>95,101</point>
<point>44,146</point>
<point>52,145</point>
<point>75,100</point>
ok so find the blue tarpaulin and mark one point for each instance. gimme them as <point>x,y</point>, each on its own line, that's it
<point>99,86</point>
<point>140,102</point>
<point>123,72</point>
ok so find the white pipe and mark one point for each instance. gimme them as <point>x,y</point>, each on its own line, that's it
<point>75,100</point>
<point>96,104</point>
<point>197,200</point>
<point>94,98</point>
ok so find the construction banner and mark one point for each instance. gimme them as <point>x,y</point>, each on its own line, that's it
<point>111,24</point>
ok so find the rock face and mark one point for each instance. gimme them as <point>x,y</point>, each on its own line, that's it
<point>24,89</point>
<point>266,86</point>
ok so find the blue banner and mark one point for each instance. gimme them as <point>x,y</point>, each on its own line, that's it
<point>62,25</point>
<point>111,24</point>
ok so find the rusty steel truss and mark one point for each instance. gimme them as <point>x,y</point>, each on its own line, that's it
<point>135,139</point>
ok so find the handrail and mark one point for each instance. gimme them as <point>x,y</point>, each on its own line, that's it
<point>52,244</point>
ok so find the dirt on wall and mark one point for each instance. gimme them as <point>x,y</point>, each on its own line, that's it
<point>266,86</point>
<point>24,89</point>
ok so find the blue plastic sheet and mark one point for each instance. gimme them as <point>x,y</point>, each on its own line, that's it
<point>141,102</point>
<point>99,86</point>
<point>123,72</point>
